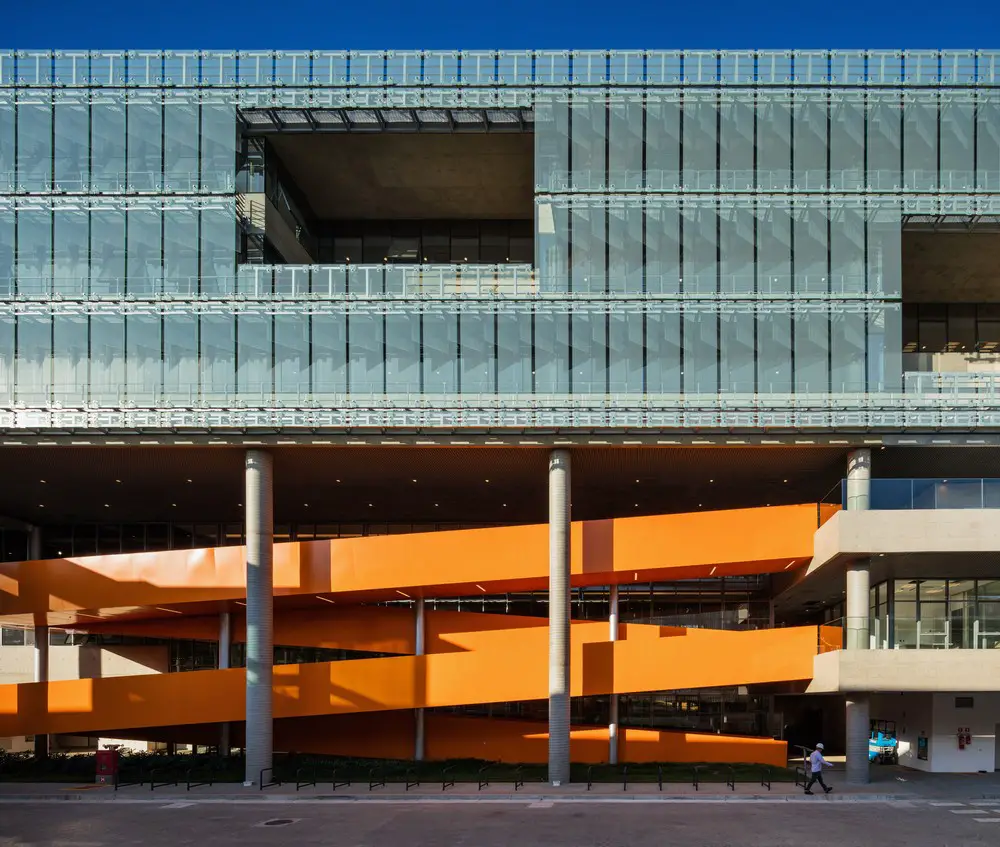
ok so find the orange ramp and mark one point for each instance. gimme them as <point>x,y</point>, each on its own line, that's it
<point>452,563</point>
<point>515,668</point>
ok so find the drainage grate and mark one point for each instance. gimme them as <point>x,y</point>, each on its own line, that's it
<point>279,822</point>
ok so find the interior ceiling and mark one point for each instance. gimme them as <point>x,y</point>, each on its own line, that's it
<point>412,176</point>
<point>403,484</point>
<point>950,267</point>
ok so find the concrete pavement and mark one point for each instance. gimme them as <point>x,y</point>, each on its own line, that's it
<point>528,823</point>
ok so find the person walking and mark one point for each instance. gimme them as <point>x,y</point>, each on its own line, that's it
<point>816,763</point>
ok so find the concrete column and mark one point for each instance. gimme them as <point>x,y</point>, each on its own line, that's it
<point>559,605</point>
<point>225,641</point>
<point>613,701</point>
<point>419,741</point>
<point>41,640</point>
<point>857,606</point>
<point>41,675</point>
<point>259,500</point>
<point>859,479</point>
<point>858,729</point>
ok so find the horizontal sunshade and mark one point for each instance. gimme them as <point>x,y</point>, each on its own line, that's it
<point>377,120</point>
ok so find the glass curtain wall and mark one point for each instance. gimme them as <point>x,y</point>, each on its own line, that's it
<point>936,614</point>
<point>748,211</point>
<point>706,224</point>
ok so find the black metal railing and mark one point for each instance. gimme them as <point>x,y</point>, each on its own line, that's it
<point>200,775</point>
<point>271,781</point>
<point>447,777</point>
<point>166,776</point>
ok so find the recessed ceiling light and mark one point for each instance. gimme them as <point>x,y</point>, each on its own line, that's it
<point>412,480</point>
<point>173,504</point>
<point>306,505</point>
<point>369,504</point>
<point>711,480</point>
<point>118,481</point>
<point>784,480</point>
<point>41,480</point>
<point>107,506</point>
<point>189,480</point>
<point>435,505</point>
<point>336,480</point>
<point>636,504</point>
<point>41,505</point>
<point>487,480</point>
<point>505,505</point>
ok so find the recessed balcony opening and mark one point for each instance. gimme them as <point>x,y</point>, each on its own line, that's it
<point>951,299</point>
<point>388,186</point>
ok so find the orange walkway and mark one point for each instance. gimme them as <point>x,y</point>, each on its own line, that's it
<point>436,564</point>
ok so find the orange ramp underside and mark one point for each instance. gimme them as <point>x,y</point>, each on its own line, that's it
<point>494,560</point>
<point>515,668</point>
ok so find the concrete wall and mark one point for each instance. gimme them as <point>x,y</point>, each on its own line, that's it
<point>913,716</point>
<point>842,671</point>
<point>935,716</point>
<point>66,662</point>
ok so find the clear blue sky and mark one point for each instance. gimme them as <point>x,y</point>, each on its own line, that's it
<point>500,24</point>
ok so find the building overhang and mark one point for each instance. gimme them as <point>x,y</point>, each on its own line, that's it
<point>912,544</point>
<point>897,671</point>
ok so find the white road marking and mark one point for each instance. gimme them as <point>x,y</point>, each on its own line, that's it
<point>180,805</point>
<point>966,811</point>
<point>987,820</point>
<point>541,804</point>
<point>947,804</point>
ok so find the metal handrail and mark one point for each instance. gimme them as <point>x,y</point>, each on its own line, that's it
<point>300,783</point>
<point>140,781</point>
<point>206,770</point>
<point>412,783</point>
<point>344,783</point>
<point>445,781</point>
<point>270,784</point>
<point>518,777</point>
<point>167,772</point>
<point>484,776</point>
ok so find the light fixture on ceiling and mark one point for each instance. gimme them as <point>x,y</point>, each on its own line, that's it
<point>118,481</point>
<point>403,594</point>
<point>480,588</point>
<point>41,480</point>
<point>325,599</point>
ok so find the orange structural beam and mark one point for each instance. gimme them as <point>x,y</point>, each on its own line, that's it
<point>515,668</point>
<point>450,563</point>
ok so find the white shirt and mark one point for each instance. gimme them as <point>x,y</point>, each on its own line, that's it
<point>817,761</point>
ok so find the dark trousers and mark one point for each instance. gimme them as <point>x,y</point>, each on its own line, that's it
<point>814,778</point>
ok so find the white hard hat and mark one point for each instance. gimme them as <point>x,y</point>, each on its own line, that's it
<point>819,746</point>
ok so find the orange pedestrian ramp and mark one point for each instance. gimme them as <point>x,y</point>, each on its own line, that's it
<point>511,665</point>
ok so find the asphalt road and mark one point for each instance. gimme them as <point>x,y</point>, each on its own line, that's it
<point>435,824</point>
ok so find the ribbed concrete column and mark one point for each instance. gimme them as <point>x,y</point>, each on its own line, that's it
<point>858,729</point>
<point>259,500</point>
<point>41,675</point>
<point>613,702</point>
<point>559,704</point>
<point>859,479</point>
<point>225,641</point>
<point>41,640</point>
<point>857,605</point>
<point>419,741</point>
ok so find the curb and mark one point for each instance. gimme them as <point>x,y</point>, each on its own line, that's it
<point>519,799</point>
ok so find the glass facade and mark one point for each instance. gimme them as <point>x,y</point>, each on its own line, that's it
<point>935,614</point>
<point>717,242</point>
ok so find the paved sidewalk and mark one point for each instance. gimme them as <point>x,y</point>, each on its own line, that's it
<point>889,784</point>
